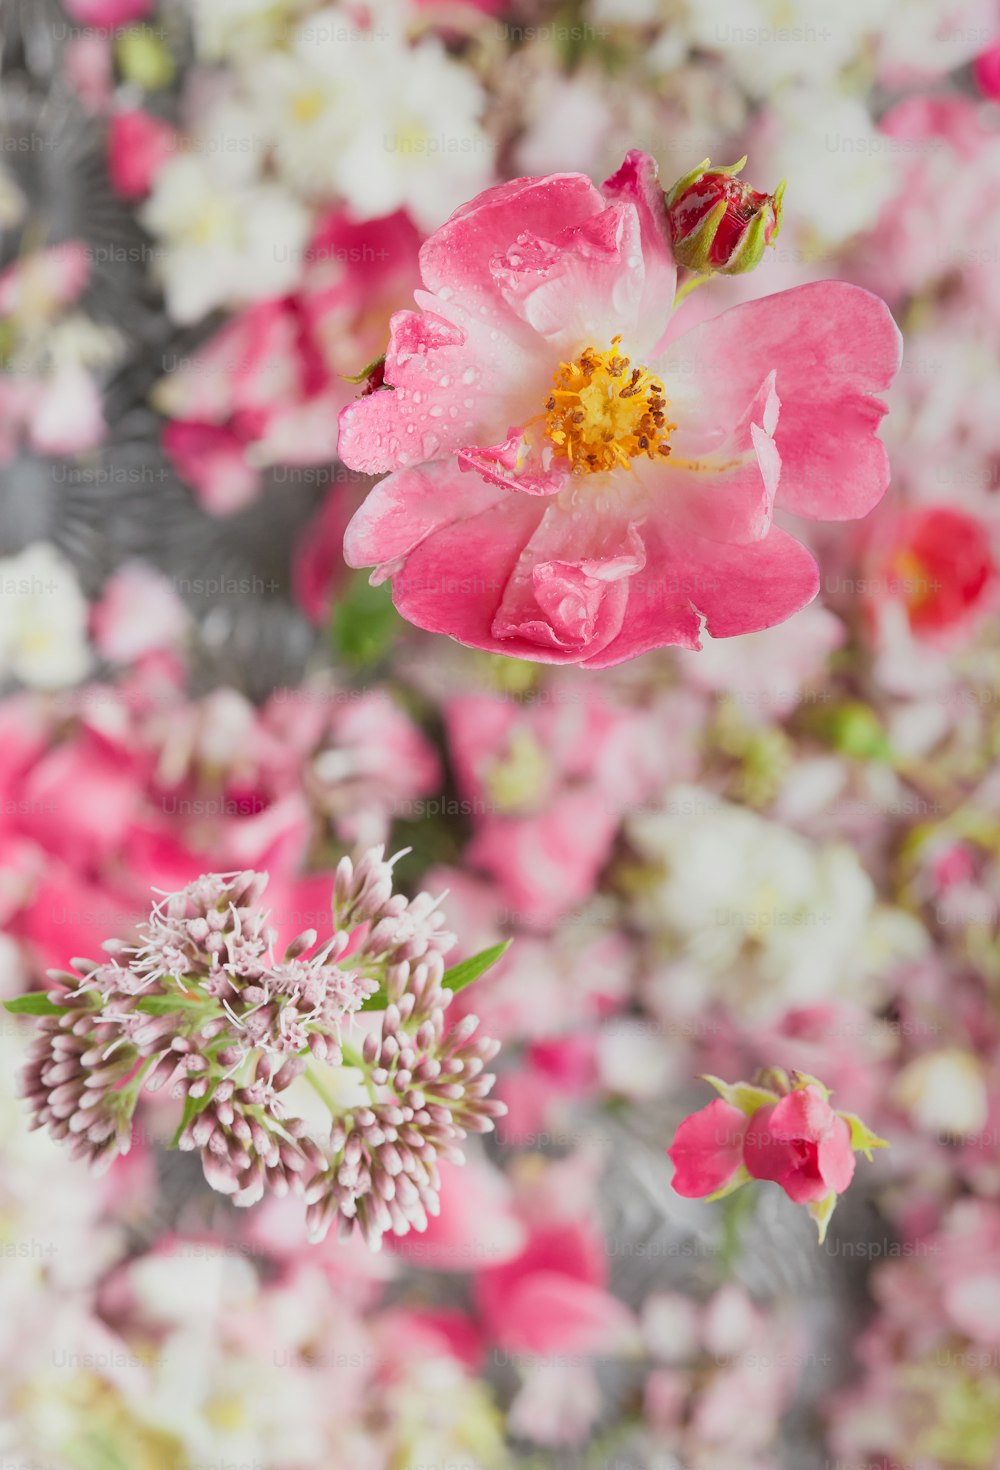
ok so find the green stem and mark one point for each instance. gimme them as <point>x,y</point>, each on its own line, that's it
<point>354,1058</point>
<point>686,287</point>
<point>320,1090</point>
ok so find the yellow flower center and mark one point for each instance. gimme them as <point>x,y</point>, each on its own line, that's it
<point>308,105</point>
<point>602,412</point>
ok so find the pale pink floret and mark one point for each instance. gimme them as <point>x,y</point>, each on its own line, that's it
<point>488,534</point>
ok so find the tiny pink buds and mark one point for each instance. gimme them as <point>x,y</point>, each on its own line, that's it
<point>779,1128</point>
<point>718,223</point>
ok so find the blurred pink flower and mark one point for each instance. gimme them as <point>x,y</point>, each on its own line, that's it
<point>942,216</point>
<point>552,1298</point>
<point>138,143</point>
<point>546,785</point>
<point>108,13</point>
<point>937,563</point>
<point>139,612</point>
<point>565,487</point>
<point>267,388</point>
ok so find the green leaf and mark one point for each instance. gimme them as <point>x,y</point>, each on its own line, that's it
<point>192,1107</point>
<point>166,1005</point>
<point>742,1095</point>
<point>863,1140</point>
<point>34,1005</point>
<point>364,623</point>
<point>461,975</point>
<point>457,978</point>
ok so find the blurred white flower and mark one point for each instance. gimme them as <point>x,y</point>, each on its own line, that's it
<point>229,238</point>
<point>358,113</point>
<point>925,38</point>
<point>43,620</point>
<point>944,1092</point>
<point>840,170</point>
<point>768,919</point>
<point>235,28</point>
<point>768,43</point>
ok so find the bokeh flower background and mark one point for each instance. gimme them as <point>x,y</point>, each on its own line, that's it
<point>781,851</point>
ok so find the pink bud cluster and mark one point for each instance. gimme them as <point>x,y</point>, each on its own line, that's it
<point>200,1006</point>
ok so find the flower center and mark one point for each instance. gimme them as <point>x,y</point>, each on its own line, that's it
<point>602,412</point>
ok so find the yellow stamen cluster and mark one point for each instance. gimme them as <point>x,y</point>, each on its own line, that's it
<point>602,412</point>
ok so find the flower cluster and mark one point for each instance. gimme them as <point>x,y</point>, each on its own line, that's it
<point>201,1007</point>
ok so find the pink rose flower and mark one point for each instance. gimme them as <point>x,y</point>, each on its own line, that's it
<point>569,486</point>
<point>785,1132</point>
<point>801,1144</point>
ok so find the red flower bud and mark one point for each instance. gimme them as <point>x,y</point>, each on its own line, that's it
<point>718,223</point>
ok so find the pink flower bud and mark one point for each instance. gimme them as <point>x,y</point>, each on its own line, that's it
<point>801,1144</point>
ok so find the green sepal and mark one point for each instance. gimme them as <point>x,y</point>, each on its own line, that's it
<point>697,246</point>
<point>365,372</point>
<point>801,1080</point>
<point>742,1095</point>
<point>741,1177</point>
<point>705,167</point>
<point>821,1210</point>
<point>863,1140</point>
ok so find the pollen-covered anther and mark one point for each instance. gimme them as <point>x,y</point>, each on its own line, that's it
<point>602,412</point>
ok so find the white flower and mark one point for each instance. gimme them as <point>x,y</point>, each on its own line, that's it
<point>839,169</point>
<point>771,42</point>
<point>240,27</point>
<point>926,38</point>
<point>767,919</point>
<point>944,1092</point>
<point>43,620</point>
<point>229,238</point>
<point>362,115</point>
